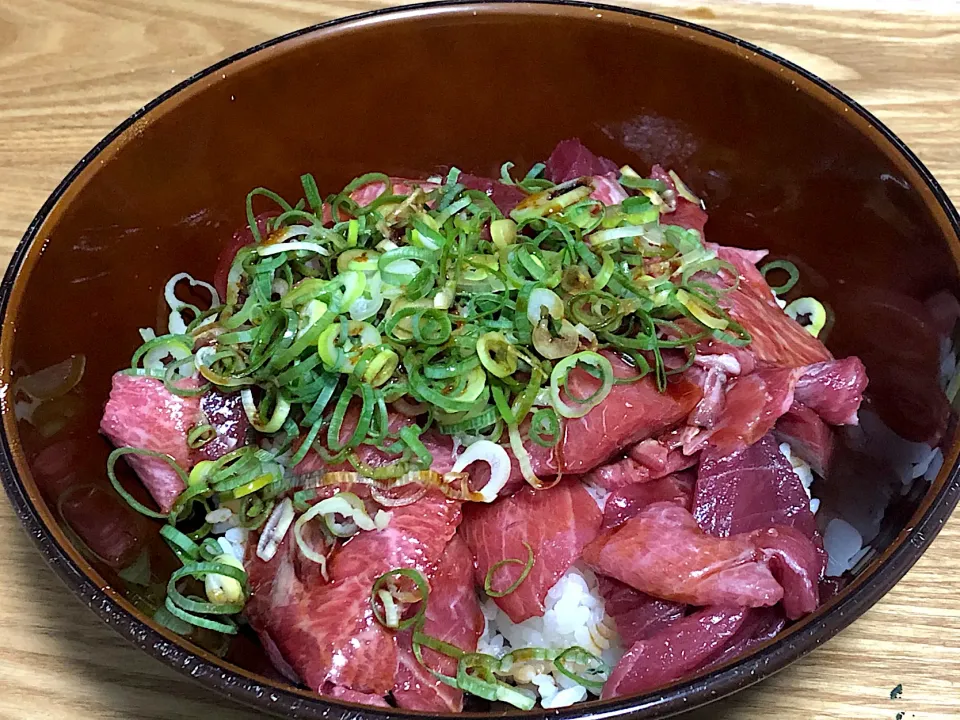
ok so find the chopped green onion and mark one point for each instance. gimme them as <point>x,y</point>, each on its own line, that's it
<point>527,567</point>
<point>811,311</point>
<point>789,268</point>
<point>558,379</point>
<point>132,501</point>
<point>582,667</point>
<point>387,583</point>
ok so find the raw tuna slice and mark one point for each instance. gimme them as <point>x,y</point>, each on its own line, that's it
<point>453,616</point>
<point>630,413</point>
<point>659,458</point>
<point>341,693</point>
<point>833,389</point>
<point>505,197</point>
<point>607,190</point>
<point>326,632</point>
<point>675,651</point>
<point>415,538</point>
<point>809,437</point>
<point>142,413</point>
<point>570,159</point>
<point>713,383</point>
<point>797,562</point>
<point>752,406</point>
<point>619,473</point>
<point>777,340</point>
<point>688,214</point>
<point>366,194</point>
<point>761,625</point>
<point>629,501</point>
<point>751,489</point>
<point>556,523</point>
<point>638,615</point>
<point>663,553</point>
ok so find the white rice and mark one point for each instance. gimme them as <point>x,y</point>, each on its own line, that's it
<point>803,471</point>
<point>909,460</point>
<point>598,493</point>
<point>844,546</point>
<point>574,615</point>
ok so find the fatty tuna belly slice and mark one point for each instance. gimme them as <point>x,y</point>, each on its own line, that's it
<point>325,631</point>
<point>556,523</point>
<point>142,413</point>
<point>631,412</point>
<point>777,340</point>
<point>453,616</point>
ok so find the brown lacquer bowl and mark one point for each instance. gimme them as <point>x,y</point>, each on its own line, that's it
<point>783,160</point>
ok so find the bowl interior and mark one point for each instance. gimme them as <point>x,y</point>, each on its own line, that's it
<point>781,162</point>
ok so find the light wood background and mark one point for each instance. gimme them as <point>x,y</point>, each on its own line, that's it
<point>70,70</point>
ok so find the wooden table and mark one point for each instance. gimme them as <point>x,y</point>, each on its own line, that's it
<point>70,70</point>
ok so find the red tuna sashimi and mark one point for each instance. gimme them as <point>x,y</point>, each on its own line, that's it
<point>776,339</point>
<point>810,438</point>
<point>570,159</point>
<point>453,616</point>
<point>797,562</point>
<point>761,624</point>
<point>663,553</point>
<point>750,489</point>
<point>556,523</point>
<point>341,693</point>
<point>687,214</point>
<point>619,473</point>
<point>366,194</point>
<point>326,632</point>
<point>142,413</point>
<point>833,389</point>
<point>607,190</point>
<point>631,412</point>
<point>752,406</point>
<point>756,491</point>
<point>713,383</point>
<point>660,458</point>
<point>638,615</point>
<point>505,197</point>
<point>675,651</point>
<point>629,501</point>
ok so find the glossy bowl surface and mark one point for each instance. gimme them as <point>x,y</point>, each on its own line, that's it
<point>783,160</point>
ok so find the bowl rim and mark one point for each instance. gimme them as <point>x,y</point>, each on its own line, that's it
<point>264,694</point>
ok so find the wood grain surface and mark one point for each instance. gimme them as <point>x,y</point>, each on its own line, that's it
<point>70,70</point>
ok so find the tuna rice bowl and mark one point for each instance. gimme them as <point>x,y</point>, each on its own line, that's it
<point>445,442</point>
